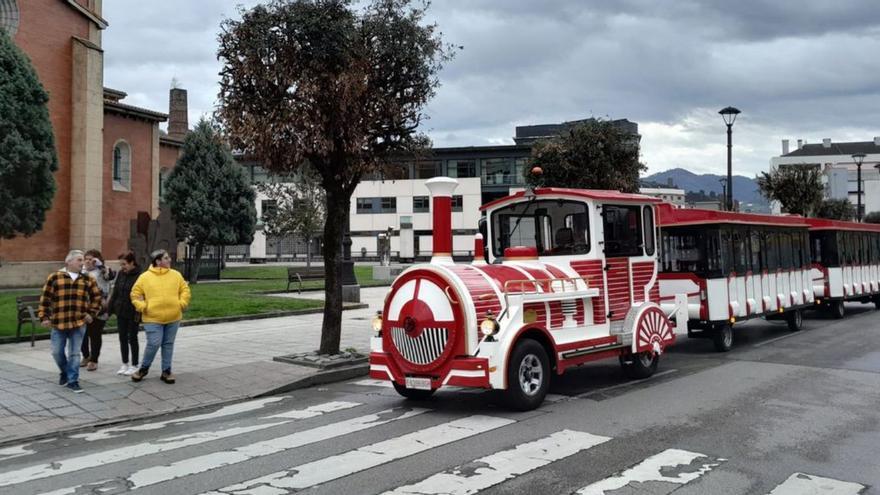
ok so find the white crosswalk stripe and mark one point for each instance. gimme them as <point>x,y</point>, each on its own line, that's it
<point>225,411</point>
<point>807,484</point>
<point>502,466</point>
<point>652,468</point>
<point>134,451</point>
<point>338,466</point>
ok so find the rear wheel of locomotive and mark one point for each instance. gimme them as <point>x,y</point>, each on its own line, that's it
<point>837,309</point>
<point>528,376</point>
<point>722,337</point>
<point>412,393</point>
<point>639,366</point>
<point>795,320</point>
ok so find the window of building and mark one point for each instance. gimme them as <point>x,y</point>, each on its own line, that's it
<point>121,166</point>
<point>520,165</point>
<point>457,203</point>
<point>427,169</point>
<point>9,17</point>
<point>364,205</point>
<point>462,168</point>
<point>268,207</point>
<point>163,177</point>
<point>421,204</point>
<point>497,171</point>
<point>388,205</point>
<point>623,230</point>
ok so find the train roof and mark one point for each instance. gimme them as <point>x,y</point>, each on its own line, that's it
<point>825,224</point>
<point>670,216</point>
<point>599,194</point>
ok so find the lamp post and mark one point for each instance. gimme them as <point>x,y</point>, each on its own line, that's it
<point>729,115</point>
<point>858,158</point>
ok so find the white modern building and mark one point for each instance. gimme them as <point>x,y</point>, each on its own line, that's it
<point>839,169</point>
<point>667,194</point>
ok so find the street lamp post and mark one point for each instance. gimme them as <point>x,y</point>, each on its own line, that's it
<point>729,115</point>
<point>858,158</point>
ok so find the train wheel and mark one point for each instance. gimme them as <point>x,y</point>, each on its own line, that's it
<point>528,376</point>
<point>795,320</point>
<point>639,366</point>
<point>412,393</point>
<point>876,302</point>
<point>838,310</point>
<point>723,337</point>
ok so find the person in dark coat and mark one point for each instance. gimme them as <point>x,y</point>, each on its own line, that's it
<point>127,319</point>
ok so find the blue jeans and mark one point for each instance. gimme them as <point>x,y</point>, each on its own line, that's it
<point>72,339</point>
<point>159,335</point>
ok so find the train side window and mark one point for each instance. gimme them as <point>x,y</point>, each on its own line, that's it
<point>648,223</point>
<point>755,245</point>
<point>771,250</point>
<point>785,261</point>
<point>623,230</point>
<point>740,251</point>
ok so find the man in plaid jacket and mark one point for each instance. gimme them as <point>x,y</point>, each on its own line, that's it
<point>69,301</point>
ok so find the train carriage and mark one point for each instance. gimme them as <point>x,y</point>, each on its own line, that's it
<point>845,263</point>
<point>571,278</point>
<point>734,267</point>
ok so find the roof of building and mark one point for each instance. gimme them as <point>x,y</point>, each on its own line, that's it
<point>675,217</point>
<point>599,194</point>
<point>845,149</point>
<point>114,94</point>
<point>661,190</point>
<point>133,111</point>
<point>170,141</point>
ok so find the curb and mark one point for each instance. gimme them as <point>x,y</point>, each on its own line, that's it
<point>336,375</point>
<point>205,321</point>
<point>322,378</point>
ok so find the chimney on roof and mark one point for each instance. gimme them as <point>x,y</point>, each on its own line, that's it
<point>785,146</point>
<point>876,140</point>
<point>177,114</point>
<point>800,143</point>
<point>826,142</point>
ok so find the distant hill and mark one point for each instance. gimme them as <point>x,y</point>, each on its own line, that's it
<point>745,189</point>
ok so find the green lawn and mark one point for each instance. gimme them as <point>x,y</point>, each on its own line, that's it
<point>232,298</point>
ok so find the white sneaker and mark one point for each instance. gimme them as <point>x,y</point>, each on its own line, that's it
<point>122,369</point>
<point>130,370</point>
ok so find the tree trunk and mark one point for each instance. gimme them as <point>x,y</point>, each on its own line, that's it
<point>331,329</point>
<point>196,264</point>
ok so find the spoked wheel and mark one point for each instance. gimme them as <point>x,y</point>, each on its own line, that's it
<point>638,366</point>
<point>837,309</point>
<point>795,320</point>
<point>412,393</point>
<point>722,337</point>
<point>528,376</point>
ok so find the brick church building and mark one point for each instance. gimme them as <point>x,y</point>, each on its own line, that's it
<point>112,156</point>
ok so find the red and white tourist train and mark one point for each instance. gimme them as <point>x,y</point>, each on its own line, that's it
<point>572,277</point>
<point>846,263</point>
<point>734,267</point>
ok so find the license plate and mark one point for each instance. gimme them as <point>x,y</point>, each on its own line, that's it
<point>418,383</point>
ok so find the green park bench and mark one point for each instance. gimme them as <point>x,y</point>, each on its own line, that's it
<point>298,275</point>
<point>27,312</point>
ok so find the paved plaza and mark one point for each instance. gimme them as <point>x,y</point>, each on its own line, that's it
<point>213,363</point>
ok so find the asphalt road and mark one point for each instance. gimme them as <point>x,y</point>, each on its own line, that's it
<point>783,413</point>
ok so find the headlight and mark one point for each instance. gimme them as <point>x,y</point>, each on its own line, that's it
<point>489,326</point>
<point>377,322</point>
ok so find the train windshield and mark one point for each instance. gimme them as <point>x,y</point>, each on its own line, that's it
<point>553,227</point>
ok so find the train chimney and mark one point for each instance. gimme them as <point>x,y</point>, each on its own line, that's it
<point>441,196</point>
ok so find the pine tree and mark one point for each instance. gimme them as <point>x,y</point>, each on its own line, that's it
<point>27,145</point>
<point>209,196</point>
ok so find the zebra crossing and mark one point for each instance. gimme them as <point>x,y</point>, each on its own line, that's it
<point>316,445</point>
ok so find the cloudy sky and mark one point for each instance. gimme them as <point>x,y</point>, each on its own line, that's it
<point>798,69</point>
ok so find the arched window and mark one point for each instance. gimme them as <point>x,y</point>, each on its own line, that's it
<point>121,166</point>
<point>9,17</point>
<point>163,176</point>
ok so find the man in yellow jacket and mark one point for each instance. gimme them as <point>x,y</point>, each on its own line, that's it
<point>160,294</point>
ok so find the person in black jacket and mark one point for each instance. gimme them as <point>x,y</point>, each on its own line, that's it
<point>127,319</point>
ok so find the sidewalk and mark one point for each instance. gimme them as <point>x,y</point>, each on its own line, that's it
<point>213,363</point>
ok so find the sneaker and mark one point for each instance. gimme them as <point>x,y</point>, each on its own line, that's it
<point>167,377</point>
<point>139,375</point>
<point>84,362</point>
<point>62,379</point>
<point>122,369</point>
<point>130,370</point>
<point>74,386</point>
<point>92,366</point>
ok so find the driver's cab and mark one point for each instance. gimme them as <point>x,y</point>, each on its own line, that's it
<point>586,224</point>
